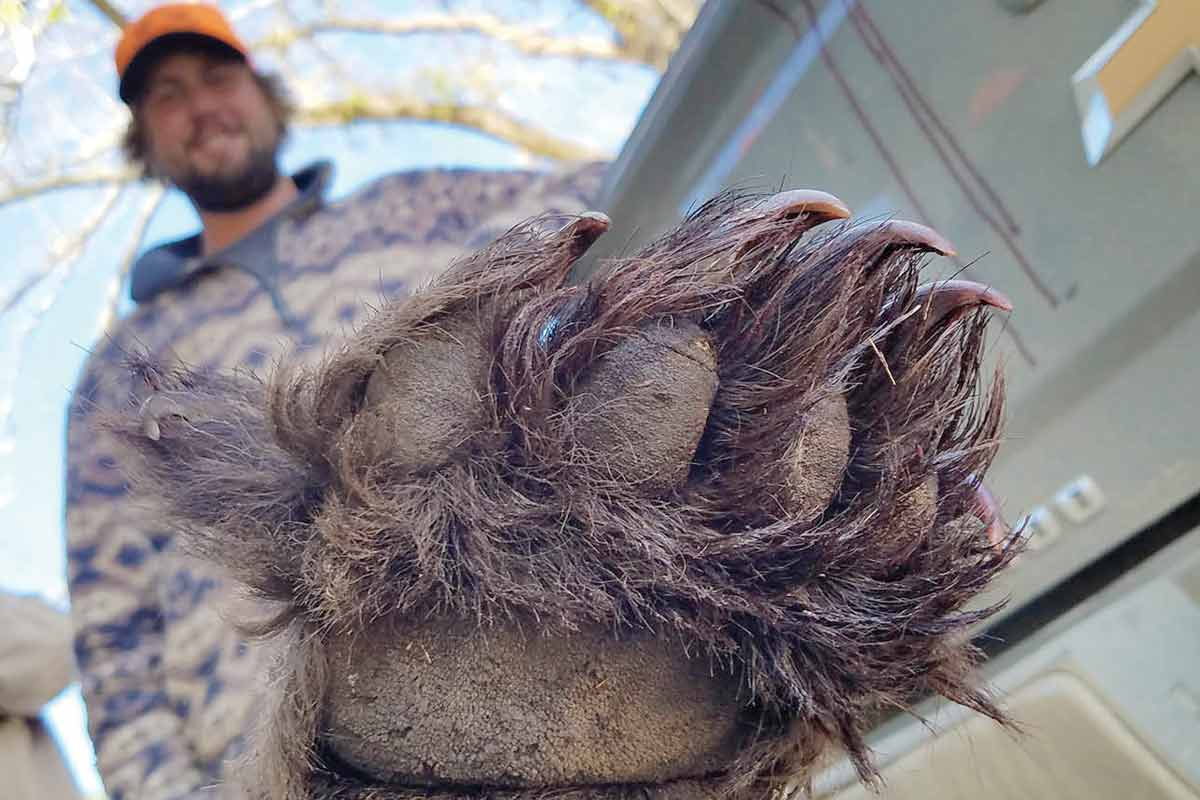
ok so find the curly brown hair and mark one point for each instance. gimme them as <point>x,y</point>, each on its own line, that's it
<point>135,142</point>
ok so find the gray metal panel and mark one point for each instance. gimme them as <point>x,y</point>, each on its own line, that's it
<point>707,90</point>
<point>1134,643</point>
<point>1104,380</point>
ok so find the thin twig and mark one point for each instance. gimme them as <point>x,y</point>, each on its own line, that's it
<point>530,40</point>
<point>71,180</point>
<point>145,216</point>
<point>489,121</point>
<point>114,14</point>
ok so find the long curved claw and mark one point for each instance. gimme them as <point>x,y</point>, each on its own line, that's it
<point>906,232</point>
<point>987,510</point>
<point>902,233</point>
<point>799,210</point>
<point>808,207</point>
<point>583,231</point>
<point>816,205</point>
<point>154,410</point>
<point>946,298</point>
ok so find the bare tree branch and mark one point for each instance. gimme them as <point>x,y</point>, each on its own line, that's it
<point>62,258</point>
<point>70,180</point>
<point>111,11</point>
<point>681,12</point>
<point>62,254</point>
<point>530,40</point>
<point>28,285</point>
<point>23,40</point>
<point>648,31</point>
<point>108,313</point>
<point>491,122</point>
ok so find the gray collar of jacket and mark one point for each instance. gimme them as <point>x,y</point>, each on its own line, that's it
<point>170,265</point>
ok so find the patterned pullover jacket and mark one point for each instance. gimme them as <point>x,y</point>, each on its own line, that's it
<point>169,684</point>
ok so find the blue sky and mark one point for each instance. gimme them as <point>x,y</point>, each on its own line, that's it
<point>43,339</point>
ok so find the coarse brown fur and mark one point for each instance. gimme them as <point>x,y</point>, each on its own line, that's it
<point>501,513</point>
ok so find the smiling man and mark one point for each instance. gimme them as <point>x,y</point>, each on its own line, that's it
<point>167,679</point>
<point>204,119</point>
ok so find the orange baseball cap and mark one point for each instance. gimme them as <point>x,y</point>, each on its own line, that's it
<point>156,30</point>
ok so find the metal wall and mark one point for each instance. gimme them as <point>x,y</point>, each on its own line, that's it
<point>962,115</point>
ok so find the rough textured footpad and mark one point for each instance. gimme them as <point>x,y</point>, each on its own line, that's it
<point>554,711</point>
<point>672,533</point>
<point>336,787</point>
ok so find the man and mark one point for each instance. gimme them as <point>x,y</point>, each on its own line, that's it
<point>35,666</point>
<point>169,684</point>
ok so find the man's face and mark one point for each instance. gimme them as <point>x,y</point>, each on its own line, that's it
<point>210,129</point>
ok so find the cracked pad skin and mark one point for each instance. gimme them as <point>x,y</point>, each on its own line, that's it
<point>549,695</point>
<point>676,532</point>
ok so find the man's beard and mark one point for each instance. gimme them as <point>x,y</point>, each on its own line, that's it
<point>233,192</point>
